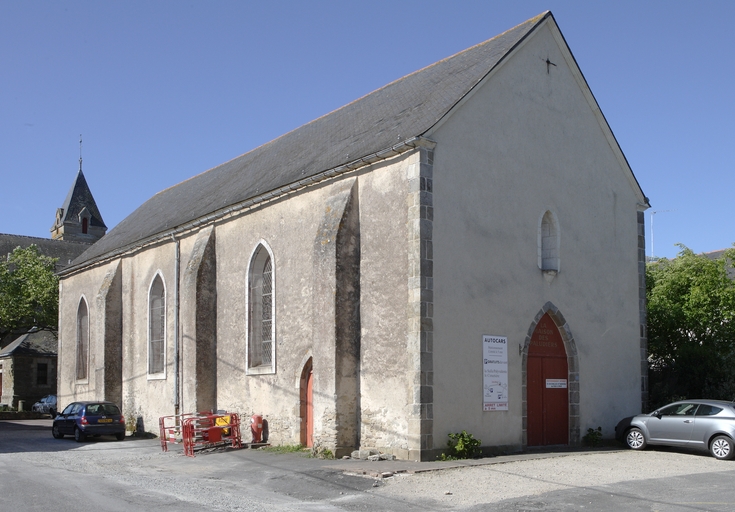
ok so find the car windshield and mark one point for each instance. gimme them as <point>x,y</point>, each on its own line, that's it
<point>102,410</point>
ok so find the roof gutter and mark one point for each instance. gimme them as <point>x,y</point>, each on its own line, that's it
<point>384,154</point>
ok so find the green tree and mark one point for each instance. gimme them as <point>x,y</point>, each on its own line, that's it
<point>29,291</point>
<point>691,327</point>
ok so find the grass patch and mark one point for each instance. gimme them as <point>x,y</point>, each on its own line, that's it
<point>284,448</point>
<point>315,452</point>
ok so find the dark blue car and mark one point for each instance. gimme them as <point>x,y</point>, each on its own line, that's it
<point>83,419</point>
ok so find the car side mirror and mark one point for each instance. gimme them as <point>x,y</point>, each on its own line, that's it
<point>657,414</point>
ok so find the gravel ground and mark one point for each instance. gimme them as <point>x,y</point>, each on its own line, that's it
<point>135,475</point>
<point>165,481</point>
<point>494,483</point>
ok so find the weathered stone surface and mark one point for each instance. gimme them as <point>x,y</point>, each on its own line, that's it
<point>364,454</point>
<point>198,296</point>
<point>109,301</point>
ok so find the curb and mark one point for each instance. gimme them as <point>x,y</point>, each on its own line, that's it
<point>386,469</point>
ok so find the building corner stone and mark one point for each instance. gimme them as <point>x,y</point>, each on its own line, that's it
<point>420,309</point>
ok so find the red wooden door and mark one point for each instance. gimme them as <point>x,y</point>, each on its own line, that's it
<point>534,394</point>
<point>309,409</point>
<point>547,396</point>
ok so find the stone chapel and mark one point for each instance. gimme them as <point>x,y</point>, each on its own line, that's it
<point>462,249</point>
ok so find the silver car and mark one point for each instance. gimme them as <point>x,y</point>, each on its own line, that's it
<point>46,405</point>
<point>699,424</point>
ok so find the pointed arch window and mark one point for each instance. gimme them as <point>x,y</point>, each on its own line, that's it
<point>156,327</point>
<point>261,349</point>
<point>548,243</point>
<point>82,340</point>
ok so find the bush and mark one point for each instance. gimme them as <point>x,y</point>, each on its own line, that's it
<point>593,437</point>
<point>462,446</point>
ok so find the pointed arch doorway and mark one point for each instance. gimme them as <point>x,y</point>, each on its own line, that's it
<point>547,374</point>
<point>306,399</point>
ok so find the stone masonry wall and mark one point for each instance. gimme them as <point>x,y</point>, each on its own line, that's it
<point>421,303</point>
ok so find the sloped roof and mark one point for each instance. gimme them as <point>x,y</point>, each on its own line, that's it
<point>714,255</point>
<point>65,250</point>
<point>33,343</point>
<point>78,198</point>
<point>398,112</point>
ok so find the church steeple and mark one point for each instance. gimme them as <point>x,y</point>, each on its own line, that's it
<point>79,219</point>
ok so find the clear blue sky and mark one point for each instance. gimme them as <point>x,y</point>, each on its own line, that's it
<point>164,90</point>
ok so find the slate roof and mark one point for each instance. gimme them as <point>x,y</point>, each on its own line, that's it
<point>65,250</point>
<point>32,343</point>
<point>395,113</point>
<point>78,198</point>
<point>714,255</point>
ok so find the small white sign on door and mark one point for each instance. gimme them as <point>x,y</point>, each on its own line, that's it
<point>556,383</point>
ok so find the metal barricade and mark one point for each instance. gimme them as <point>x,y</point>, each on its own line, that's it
<point>208,430</point>
<point>170,429</point>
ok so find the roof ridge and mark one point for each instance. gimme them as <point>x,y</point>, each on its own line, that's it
<point>42,239</point>
<point>399,111</point>
<point>531,21</point>
<point>434,64</point>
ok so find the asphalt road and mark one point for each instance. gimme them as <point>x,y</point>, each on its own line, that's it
<point>38,473</point>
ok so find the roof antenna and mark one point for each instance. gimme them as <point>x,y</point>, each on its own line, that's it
<point>80,152</point>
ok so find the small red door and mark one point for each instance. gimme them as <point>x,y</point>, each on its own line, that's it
<point>309,410</point>
<point>546,386</point>
<point>306,405</point>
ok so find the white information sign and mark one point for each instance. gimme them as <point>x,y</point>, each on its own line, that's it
<point>556,383</point>
<point>495,373</point>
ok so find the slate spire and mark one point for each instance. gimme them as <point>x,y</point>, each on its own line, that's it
<point>79,219</point>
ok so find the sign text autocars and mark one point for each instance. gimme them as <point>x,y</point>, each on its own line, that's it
<point>495,373</point>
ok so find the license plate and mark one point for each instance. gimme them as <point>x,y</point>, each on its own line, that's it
<point>105,420</point>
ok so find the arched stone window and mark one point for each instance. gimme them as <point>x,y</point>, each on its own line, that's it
<point>157,327</point>
<point>548,243</point>
<point>82,339</point>
<point>261,350</point>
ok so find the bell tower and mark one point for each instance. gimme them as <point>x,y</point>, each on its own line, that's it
<point>79,219</point>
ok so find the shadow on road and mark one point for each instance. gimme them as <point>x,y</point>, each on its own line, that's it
<point>18,436</point>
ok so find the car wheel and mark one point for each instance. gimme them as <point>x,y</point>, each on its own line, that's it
<point>79,436</point>
<point>56,433</point>
<point>721,448</point>
<point>120,436</point>
<point>635,439</point>
<point>52,413</point>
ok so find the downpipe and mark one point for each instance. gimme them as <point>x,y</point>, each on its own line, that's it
<point>177,365</point>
